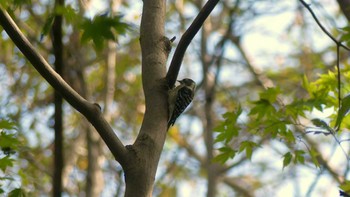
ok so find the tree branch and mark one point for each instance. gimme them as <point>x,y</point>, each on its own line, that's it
<point>338,43</point>
<point>186,40</point>
<point>322,27</point>
<point>238,187</point>
<point>91,111</point>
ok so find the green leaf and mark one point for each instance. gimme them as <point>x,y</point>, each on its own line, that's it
<point>220,128</point>
<point>14,3</point>
<point>8,140</point>
<point>343,111</point>
<point>102,28</point>
<point>225,154</point>
<point>287,158</point>
<point>18,192</point>
<point>306,84</point>
<point>322,90</point>
<point>346,35</point>
<point>68,12</point>
<point>327,81</point>
<point>270,94</point>
<point>275,127</point>
<point>288,136</point>
<point>319,123</point>
<point>6,162</point>
<point>227,133</point>
<point>6,124</point>
<point>314,156</point>
<point>4,4</point>
<point>248,146</point>
<point>345,186</point>
<point>232,117</point>
<point>228,129</point>
<point>322,124</point>
<point>47,26</point>
<point>299,157</point>
<point>262,108</point>
<point>298,107</point>
<point>347,29</point>
<point>221,137</point>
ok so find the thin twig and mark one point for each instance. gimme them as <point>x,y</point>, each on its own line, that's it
<point>314,183</point>
<point>339,77</point>
<point>186,40</point>
<point>346,140</point>
<point>338,43</point>
<point>341,147</point>
<point>322,27</point>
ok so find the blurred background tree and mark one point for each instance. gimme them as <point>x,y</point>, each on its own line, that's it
<point>264,70</point>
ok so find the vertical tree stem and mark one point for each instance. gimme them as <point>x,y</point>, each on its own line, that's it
<point>58,100</point>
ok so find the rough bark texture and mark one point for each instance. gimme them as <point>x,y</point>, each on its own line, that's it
<point>145,152</point>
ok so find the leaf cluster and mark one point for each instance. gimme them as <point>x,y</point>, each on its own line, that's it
<point>9,143</point>
<point>99,29</point>
<point>102,28</point>
<point>272,117</point>
<point>227,130</point>
<point>346,35</point>
<point>13,4</point>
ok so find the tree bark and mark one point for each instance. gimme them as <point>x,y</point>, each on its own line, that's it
<point>145,152</point>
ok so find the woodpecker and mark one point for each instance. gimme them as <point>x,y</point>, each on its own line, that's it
<point>179,98</point>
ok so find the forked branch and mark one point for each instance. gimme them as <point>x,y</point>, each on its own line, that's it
<point>337,42</point>
<point>89,110</point>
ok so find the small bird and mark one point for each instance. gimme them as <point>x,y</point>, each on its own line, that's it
<point>179,98</point>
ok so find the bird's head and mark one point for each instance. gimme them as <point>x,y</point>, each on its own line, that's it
<point>188,82</point>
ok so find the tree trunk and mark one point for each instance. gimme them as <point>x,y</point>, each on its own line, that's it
<point>144,154</point>
<point>208,83</point>
<point>94,177</point>
<point>58,100</point>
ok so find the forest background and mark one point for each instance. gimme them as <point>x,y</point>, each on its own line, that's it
<point>269,115</point>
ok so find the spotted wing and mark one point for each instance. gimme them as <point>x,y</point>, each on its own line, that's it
<point>184,98</point>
